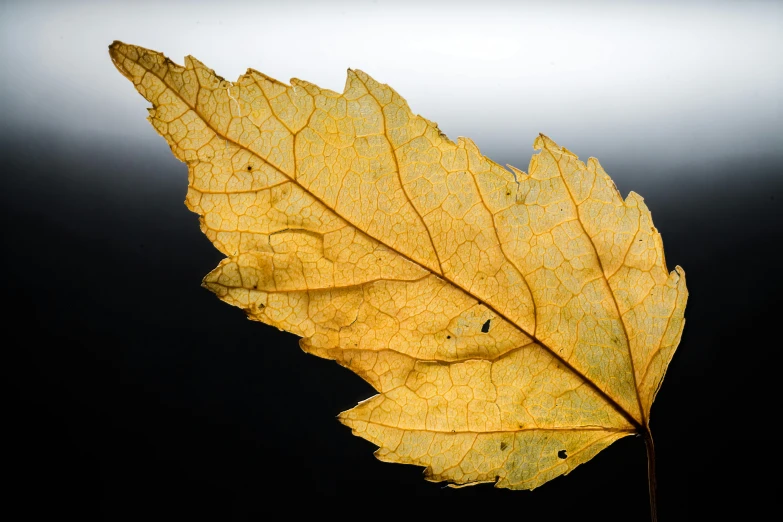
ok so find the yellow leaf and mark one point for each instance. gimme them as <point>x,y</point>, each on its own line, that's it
<point>513,324</point>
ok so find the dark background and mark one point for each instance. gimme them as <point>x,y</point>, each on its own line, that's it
<point>135,391</point>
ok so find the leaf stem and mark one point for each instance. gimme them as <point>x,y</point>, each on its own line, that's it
<point>648,442</point>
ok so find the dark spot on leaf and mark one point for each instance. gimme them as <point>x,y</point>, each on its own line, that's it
<point>485,327</point>
<point>250,167</point>
<point>503,446</point>
<point>448,337</point>
<point>562,454</point>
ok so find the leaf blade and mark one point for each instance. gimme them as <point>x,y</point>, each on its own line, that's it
<point>353,222</point>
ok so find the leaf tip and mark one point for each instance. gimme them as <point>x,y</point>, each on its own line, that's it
<point>116,53</point>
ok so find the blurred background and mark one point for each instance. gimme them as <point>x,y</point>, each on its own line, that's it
<point>136,390</point>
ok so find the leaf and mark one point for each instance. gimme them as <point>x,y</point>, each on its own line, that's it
<point>513,324</point>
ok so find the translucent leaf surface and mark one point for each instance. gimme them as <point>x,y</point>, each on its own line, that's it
<point>514,324</point>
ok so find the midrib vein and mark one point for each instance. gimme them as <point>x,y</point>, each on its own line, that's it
<point>511,430</point>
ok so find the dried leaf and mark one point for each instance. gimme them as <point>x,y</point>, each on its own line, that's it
<point>513,324</point>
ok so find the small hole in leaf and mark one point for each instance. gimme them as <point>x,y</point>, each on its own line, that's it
<point>562,454</point>
<point>485,327</point>
<point>503,446</point>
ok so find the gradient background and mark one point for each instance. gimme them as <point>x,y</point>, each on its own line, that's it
<point>135,390</point>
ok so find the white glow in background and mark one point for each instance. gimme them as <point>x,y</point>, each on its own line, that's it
<point>661,83</point>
